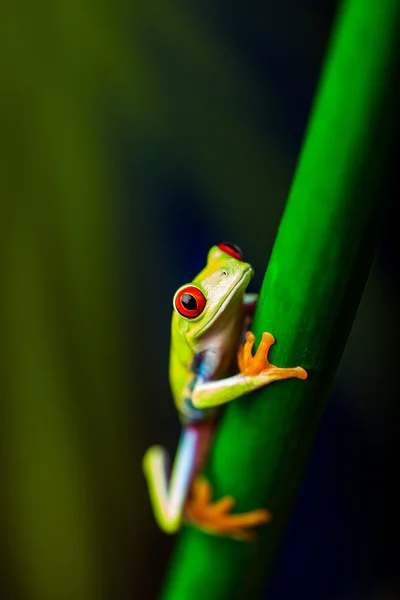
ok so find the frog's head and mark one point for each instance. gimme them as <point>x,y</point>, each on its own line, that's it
<point>215,292</point>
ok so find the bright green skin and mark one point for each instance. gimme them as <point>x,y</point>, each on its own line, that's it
<point>223,282</point>
<point>217,331</point>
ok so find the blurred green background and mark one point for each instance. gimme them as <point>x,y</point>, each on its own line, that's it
<point>135,136</point>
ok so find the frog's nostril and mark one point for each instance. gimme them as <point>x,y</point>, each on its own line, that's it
<point>224,273</point>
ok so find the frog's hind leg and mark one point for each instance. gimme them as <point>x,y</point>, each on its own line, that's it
<point>168,494</point>
<point>216,517</point>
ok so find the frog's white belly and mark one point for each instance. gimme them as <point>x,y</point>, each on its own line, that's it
<point>215,359</point>
<point>224,343</point>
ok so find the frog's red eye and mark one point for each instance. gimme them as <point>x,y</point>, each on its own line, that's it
<point>231,249</point>
<point>189,301</point>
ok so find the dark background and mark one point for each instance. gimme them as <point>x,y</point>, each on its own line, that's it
<point>134,138</point>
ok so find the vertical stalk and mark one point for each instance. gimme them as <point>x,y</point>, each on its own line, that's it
<point>311,290</point>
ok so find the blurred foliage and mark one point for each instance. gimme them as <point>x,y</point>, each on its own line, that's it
<point>67,445</point>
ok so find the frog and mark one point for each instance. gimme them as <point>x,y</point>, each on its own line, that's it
<point>212,362</point>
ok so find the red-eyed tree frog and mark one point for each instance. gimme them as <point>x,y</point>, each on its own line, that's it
<point>211,363</point>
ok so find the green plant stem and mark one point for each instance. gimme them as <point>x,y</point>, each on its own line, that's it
<point>312,287</point>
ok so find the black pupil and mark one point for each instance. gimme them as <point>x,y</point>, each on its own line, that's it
<point>189,302</point>
<point>234,247</point>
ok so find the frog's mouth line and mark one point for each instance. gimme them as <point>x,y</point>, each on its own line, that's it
<point>225,303</point>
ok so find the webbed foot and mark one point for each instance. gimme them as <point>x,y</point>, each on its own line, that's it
<point>216,518</point>
<point>259,363</point>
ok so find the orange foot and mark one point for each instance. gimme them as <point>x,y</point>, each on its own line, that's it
<point>259,363</point>
<point>216,518</point>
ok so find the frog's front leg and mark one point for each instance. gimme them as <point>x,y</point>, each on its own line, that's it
<point>254,372</point>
